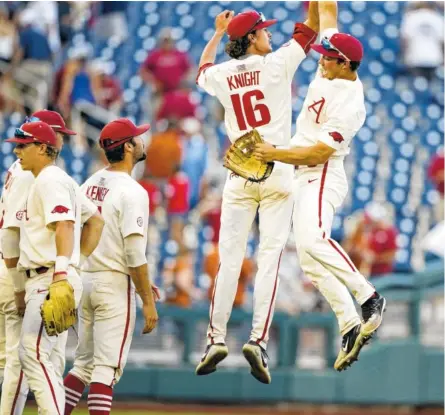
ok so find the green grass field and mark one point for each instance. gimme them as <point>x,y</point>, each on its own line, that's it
<point>32,411</point>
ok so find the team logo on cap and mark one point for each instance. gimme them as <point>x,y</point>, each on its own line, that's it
<point>338,138</point>
<point>60,209</point>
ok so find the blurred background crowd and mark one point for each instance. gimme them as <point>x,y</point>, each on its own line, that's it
<point>96,61</point>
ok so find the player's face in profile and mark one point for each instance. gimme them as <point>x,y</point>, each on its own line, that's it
<point>26,153</point>
<point>262,44</point>
<point>330,68</point>
<point>139,150</point>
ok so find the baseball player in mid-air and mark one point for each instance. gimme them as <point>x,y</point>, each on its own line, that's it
<point>50,238</point>
<point>112,274</point>
<point>332,113</point>
<point>255,89</point>
<point>12,282</point>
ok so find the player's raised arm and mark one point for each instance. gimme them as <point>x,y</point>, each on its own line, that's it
<point>313,19</point>
<point>327,11</point>
<point>221,22</point>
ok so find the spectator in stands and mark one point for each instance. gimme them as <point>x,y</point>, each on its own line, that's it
<point>176,196</point>
<point>9,99</point>
<point>422,34</point>
<point>164,152</point>
<point>154,193</point>
<point>110,20</point>
<point>177,104</point>
<point>33,52</point>
<point>372,244</point>
<point>109,90</point>
<point>164,68</point>
<point>195,155</point>
<point>178,279</point>
<point>77,81</point>
<point>46,20</point>
<point>65,14</point>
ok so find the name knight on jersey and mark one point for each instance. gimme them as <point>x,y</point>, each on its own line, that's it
<point>243,79</point>
<point>97,193</point>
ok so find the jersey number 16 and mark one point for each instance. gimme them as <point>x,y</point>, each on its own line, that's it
<point>245,111</point>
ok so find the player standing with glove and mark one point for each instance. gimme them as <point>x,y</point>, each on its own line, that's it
<point>12,303</point>
<point>332,113</point>
<point>112,274</point>
<point>49,246</point>
<point>255,89</point>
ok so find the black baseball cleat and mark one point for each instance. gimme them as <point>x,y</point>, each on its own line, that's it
<point>257,358</point>
<point>214,354</point>
<point>372,313</point>
<point>351,344</point>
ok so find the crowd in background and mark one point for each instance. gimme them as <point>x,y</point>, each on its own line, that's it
<point>183,174</point>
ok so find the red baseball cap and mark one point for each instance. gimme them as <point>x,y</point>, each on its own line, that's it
<point>247,22</point>
<point>119,132</point>
<point>53,119</point>
<point>35,132</point>
<point>341,45</point>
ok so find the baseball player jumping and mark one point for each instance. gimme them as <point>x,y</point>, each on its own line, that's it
<point>255,89</point>
<point>332,113</point>
<point>50,236</point>
<point>113,272</point>
<point>12,301</point>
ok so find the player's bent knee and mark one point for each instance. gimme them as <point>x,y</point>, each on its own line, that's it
<point>84,374</point>
<point>106,375</point>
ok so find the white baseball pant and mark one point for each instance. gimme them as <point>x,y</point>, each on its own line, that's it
<point>318,192</point>
<point>107,316</point>
<point>44,371</point>
<point>241,201</point>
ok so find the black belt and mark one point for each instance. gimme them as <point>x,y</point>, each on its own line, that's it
<point>40,270</point>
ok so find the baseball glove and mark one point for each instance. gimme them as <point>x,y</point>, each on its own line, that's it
<point>58,311</point>
<point>239,158</point>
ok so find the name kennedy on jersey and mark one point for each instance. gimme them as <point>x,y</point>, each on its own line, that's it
<point>97,193</point>
<point>243,79</point>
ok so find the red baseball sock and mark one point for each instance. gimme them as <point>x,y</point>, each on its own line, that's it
<point>99,399</point>
<point>73,392</point>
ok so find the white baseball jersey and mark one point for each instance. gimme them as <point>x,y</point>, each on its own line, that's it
<point>123,203</point>
<point>54,196</point>
<point>256,92</point>
<point>15,191</point>
<point>333,112</point>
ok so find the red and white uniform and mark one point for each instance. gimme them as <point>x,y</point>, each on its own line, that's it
<point>333,112</point>
<point>108,310</point>
<point>52,197</point>
<point>15,387</point>
<point>256,93</point>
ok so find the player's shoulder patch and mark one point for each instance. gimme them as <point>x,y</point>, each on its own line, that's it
<point>337,137</point>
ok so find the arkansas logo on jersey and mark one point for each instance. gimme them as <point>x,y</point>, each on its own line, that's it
<point>60,209</point>
<point>338,138</point>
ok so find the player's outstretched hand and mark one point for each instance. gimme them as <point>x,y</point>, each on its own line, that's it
<point>222,20</point>
<point>264,152</point>
<point>20,304</point>
<point>150,317</point>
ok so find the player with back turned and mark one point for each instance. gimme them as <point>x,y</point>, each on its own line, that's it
<point>112,274</point>
<point>332,113</point>
<point>255,89</point>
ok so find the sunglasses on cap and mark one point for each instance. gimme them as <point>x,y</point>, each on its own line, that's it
<point>260,20</point>
<point>326,43</point>
<point>19,133</point>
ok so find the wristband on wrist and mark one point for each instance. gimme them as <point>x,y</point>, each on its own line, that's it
<point>61,265</point>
